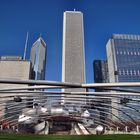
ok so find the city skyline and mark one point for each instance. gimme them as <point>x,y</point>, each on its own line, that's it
<point>101,20</point>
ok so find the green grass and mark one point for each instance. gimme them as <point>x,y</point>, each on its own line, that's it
<point>68,137</point>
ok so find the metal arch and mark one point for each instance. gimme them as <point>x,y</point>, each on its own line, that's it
<point>16,105</point>
<point>133,122</point>
<point>73,117</point>
<point>130,107</point>
<point>56,96</point>
<point>19,107</point>
<point>120,119</point>
<point>121,111</point>
<point>118,89</point>
<point>108,113</point>
<point>122,84</point>
<point>40,82</point>
<point>113,96</point>
<point>6,119</point>
<point>69,85</point>
<point>30,88</point>
<point>71,93</point>
<point>126,106</point>
<point>89,108</point>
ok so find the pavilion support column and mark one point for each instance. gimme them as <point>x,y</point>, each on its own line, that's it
<point>1,127</point>
<point>137,128</point>
<point>126,128</point>
<point>13,127</point>
<point>117,128</point>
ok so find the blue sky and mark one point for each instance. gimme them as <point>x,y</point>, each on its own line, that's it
<point>102,18</point>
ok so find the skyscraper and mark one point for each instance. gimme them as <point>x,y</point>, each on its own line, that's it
<point>123,55</point>
<point>73,59</point>
<point>12,67</point>
<point>100,71</point>
<point>38,59</point>
<point>101,76</point>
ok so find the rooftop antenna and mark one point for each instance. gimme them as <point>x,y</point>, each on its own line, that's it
<point>25,46</point>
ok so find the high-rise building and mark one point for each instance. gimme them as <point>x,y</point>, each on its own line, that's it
<point>100,71</point>
<point>101,76</point>
<point>12,67</point>
<point>73,59</point>
<point>123,55</point>
<point>38,59</point>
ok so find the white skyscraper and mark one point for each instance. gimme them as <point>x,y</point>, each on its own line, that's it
<point>73,59</point>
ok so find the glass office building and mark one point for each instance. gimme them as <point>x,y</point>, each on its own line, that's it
<point>123,55</point>
<point>38,59</point>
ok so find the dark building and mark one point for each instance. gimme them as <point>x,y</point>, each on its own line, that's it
<point>101,76</point>
<point>100,71</point>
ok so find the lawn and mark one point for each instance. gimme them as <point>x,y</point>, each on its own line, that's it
<point>68,137</point>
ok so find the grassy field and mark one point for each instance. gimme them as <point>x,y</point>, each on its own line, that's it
<point>68,137</point>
